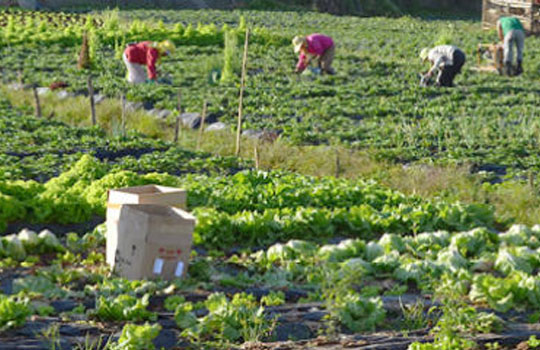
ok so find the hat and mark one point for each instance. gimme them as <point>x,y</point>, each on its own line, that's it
<point>298,42</point>
<point>166,47</point>
<point>424,54</point>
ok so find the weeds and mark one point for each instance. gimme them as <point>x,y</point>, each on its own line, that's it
<point>52,336</point>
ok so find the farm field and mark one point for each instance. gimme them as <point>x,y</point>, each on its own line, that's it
<point>373,103</point>
<point>281,260</point>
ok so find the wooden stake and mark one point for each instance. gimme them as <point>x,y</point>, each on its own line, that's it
<point>257,157</point>
<point>92,102</point>
<point>123,121</point>
<point>338,164</point>
<point>241,99</point>
<point>176,129</point>
<point>177,124</point>
<point>201,127</point>
<point>36,98</point>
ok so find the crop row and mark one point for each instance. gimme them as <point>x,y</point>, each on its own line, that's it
<point>112,31</point>
<point>78,194</point>
<point>489,270</point>
<point>39,149</point>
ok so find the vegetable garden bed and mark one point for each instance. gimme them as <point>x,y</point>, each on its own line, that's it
<point>278,256</point>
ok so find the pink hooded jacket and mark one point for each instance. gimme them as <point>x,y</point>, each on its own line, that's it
<point>317,44</point>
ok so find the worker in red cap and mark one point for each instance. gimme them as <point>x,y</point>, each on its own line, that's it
<point>141,59</point>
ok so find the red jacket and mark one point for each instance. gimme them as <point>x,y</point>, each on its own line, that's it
<point>143,53</point>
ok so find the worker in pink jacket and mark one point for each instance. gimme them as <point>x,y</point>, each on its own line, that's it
<point>316,46</point>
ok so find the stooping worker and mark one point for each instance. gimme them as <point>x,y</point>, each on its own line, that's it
<point>141,59</point>
<point>511,33</point>
<point>315,46</point>
<point>447,60</point>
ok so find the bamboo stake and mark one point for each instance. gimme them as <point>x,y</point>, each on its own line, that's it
<point>177,124</point>
<point>38,104</point>
<point>201,127</point>
<point>123,121</point>
<point>241,99</point>
<point>92,102</point>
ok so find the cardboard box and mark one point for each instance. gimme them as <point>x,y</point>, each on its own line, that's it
<point>150,194</point>
<point>151,241</point>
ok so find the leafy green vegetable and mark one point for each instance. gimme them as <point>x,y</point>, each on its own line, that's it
<point>358,313</point>
<point>137,337</point>
<point>124,308</point>
<point>13,312</point>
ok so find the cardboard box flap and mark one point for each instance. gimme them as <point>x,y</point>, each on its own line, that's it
<point>156,211</point>
<point>149,194</point>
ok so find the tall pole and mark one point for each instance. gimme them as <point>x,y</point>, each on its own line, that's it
<point>177,124</point>
<point>123,121</point>
<point>92,102</point>
<point>201,127</point>
<point>38,104</point>
<point>241,99</point>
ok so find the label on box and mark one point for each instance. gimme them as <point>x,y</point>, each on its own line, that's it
<point>179,269</point>
<point>170,254</point>
<point>158,266</point>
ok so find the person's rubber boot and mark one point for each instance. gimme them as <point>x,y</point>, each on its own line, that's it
<point>519,68</point>
<point>508,69</point>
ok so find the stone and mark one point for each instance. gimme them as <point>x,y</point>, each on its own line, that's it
<point>263,135</point>
<point>292,331</point>
<point>252,134</point>
<point>216,126</point>
<point>160,113</point>
<point>193,120</point>
<point>63,94</point>
<point>43,90</point>
<point>16,86</point>
<point>134,106</point>
<point>98,98</point>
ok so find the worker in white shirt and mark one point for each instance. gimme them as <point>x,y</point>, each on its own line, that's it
<point>447,60</point>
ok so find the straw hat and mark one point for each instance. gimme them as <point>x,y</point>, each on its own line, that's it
<point>424,54</point>
<point>298,42</point>
<point>166,47</point>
